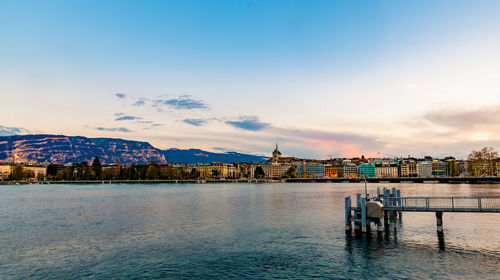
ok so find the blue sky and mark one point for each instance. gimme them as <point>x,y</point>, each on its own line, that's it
<point>321,77</point>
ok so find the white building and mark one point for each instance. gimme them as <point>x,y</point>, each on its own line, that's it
<point>5,171</point>
<point>424,169</point>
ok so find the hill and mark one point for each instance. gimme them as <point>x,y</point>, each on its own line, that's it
<point>45,148</point>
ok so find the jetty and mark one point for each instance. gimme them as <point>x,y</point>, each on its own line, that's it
<point>387,205</point>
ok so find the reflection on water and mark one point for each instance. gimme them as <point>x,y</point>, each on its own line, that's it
<point>234,231</point>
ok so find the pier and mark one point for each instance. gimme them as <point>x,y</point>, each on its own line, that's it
<point>387,205</point>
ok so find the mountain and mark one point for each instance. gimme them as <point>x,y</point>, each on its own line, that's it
<point>200,156</point>
<point>68,149</point>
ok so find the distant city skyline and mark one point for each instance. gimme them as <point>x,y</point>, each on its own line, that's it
<point>374,78</point>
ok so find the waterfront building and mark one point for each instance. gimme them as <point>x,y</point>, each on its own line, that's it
<point>334,171</point>
<point>5,171</point>
<point>452,168</point>
<point>386,169</point>
<point>438,168</point>
<point>311,170</point>
<point>462,166</point>
<point>315,170</point>
<point>367,170</point>
<point>408,168</point>
<point>351,170</point>
<point>329,171</point>
<point>424,169</point>
<point>217,170</point>
<point>36,172</point>
<point>275,170</point>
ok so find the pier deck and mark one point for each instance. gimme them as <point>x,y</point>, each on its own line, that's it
<point>387,205</point>
<point>443,204</point>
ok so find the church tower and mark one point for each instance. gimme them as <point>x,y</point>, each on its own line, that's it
<point>276,154</point>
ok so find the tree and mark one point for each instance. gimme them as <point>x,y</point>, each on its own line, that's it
<point>152,172</point>
<point>169,172</point>
<point>259,172</point>
<point>483,162</point>
<point>96,167</point>
<point>63,174</point>
<point>18,173</point>
<point>30,174</point>
<point>195,173</point>
<point>215,173</point>
<point>52,170</point>
<point>83,171</point>
<point>291,173</point>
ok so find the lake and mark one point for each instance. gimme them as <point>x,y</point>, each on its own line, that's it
<point>187,231</point>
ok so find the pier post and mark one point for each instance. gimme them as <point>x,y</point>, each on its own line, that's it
<point>379,227</point>
<point>392,202</point>
<point>398,195</point>
<point>357,212</point>
<point>363,215</point>
<point>439,221</point>
<point>348,225</point>
<point>386,219</point>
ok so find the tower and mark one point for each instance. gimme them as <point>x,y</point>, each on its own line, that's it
<point>276,154</point>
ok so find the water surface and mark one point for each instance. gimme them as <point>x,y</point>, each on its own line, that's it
<point>233,231</point>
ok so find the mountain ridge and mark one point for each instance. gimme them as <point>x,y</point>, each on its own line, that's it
<point>49,148</point>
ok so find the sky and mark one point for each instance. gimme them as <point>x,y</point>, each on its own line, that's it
<point>321,78</point>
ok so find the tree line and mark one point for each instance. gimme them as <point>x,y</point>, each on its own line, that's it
<point>95,171</point>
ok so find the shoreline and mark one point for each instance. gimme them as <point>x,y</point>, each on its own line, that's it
<point>436,180</point>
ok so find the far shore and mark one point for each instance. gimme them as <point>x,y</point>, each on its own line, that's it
<point>435,180</point>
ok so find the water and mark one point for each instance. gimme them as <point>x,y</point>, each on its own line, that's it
<point>233,231</point>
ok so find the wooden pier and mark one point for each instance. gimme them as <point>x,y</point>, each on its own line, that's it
<point>389,204</point>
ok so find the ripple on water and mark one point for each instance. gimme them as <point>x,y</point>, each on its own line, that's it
<point>232,231</point>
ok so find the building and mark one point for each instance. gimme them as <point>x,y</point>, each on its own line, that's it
<point>276,154</point>
<point>367,170</point>
<point>218,170</point>
<point>438,168</point>
<point>351,170</point>
<point>386,169</point>
<point>424,169</point>
<point>311,170</point>
<point>5,171</point>
<point>36,172</point>
<point>275,170</point>
<point>334,171</point>
<point>408,168</point>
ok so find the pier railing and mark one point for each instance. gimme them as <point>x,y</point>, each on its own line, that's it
<point>444,204</point>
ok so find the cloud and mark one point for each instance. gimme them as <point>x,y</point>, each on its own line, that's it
<point>251,123</point>
<point>183,102</point>
<point>195,122</point>
<point>142,101</point>
<point>8,131</point>
<point>323,142</point>
<point>139,103</point>
<point>465,118</point>
<point>119,129</point>
<point>120,95</point>
<point>119,114</point>
<point>157,124</point>
<point>127,118</point>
